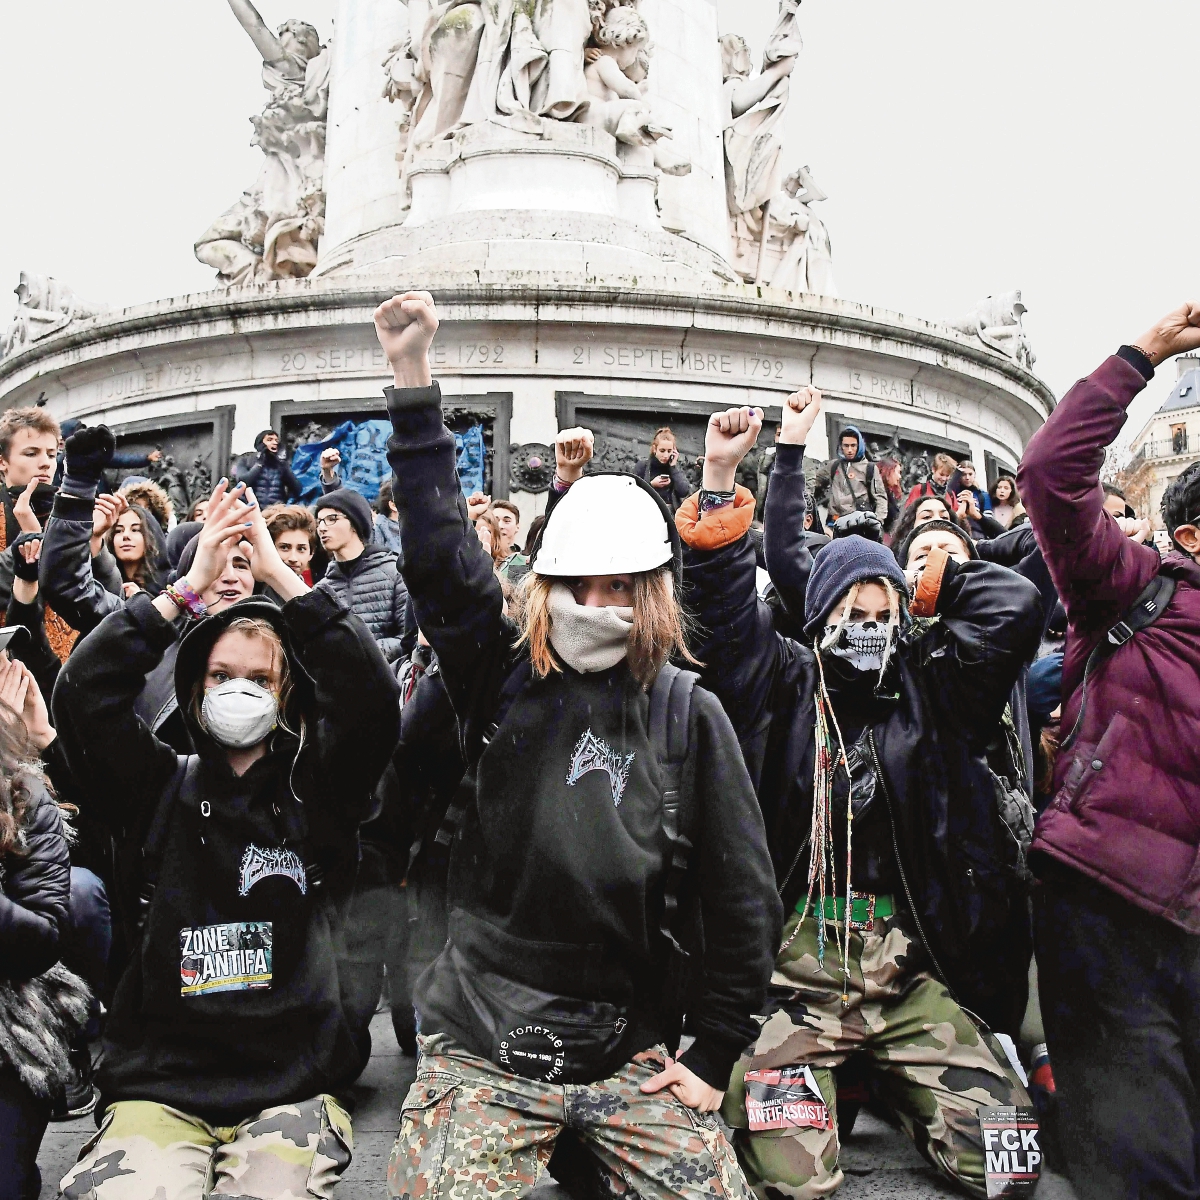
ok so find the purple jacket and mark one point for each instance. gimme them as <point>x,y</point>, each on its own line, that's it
<point>1126,810</point>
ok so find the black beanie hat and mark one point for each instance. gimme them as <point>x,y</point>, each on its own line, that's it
<point>352,505</point>
<point>838,567</point>
<point>258,441</point>
<point>901,551</point>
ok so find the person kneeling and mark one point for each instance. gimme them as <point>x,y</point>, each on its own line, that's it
<point>548,1008</point>
<point>226,1040</point>
<point>891,863</point>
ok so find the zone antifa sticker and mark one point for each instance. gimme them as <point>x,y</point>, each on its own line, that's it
<point>785,1099</point>
<point>1012,1156</point>
<point>225,958</point>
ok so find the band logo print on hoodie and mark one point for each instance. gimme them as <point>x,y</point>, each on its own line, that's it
<point>595,754</point>
<point>259,864</point>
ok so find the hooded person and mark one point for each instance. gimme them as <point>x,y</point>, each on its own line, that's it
<point>557,962</point>
<point>867,749</point>
<point>228,1020</point>
<point>854,484</point>
<point>271,477</point>
<point>139,545</point>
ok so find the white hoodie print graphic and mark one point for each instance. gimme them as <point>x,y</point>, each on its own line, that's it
<point>595,754</point>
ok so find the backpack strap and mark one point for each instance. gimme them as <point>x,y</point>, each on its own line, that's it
<point>510,689</point>
<point>155,841</point>
<point>1147,608</point>
<point>670,734</point>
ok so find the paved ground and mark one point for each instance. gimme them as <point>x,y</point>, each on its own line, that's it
<point>877,1159</point>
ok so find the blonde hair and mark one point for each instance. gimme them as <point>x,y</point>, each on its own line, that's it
<point>659,625</point>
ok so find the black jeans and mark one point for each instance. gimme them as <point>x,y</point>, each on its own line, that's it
<point>1120,994</point>
<point>23,1120</point>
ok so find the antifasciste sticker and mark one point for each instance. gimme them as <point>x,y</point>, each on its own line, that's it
<point>785,1099</point>
<point>225,958</point>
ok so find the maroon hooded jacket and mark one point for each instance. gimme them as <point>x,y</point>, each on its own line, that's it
<point>1126,810</point>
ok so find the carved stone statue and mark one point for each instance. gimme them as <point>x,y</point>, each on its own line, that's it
<point>44,306</point>
<point>997,322</point>
<point>518,63</point>
<point>273,230</point>
<point>776,236</point>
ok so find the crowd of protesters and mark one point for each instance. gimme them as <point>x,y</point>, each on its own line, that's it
<point>673,828</point>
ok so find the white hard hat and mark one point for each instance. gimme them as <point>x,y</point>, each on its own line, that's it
<point>605,525</point>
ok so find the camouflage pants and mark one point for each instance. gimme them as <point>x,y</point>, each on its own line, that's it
<point>471,1131</point>
<point>931,1064</point>
<point>146,1151</point>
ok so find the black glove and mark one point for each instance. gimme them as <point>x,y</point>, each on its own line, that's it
<point>88,450</point>
<point>865,524</point>
<point>22,569</point>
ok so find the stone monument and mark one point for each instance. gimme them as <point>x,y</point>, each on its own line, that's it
<point>595,191</point>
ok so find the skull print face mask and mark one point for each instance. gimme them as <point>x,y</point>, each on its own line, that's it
<point>864,645</point>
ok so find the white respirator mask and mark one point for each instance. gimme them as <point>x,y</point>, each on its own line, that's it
<point>239,713</point>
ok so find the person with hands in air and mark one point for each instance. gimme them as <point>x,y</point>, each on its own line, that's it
<point>563,721</point>
<point>228,1019</point>
<point>858,740</point>
<point>272,477</point>
<point>1117,906</point>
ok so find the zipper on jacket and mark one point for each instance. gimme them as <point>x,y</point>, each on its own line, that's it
<point>795,863</point>
<point>900,867</point>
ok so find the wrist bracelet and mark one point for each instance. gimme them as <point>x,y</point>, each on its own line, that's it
<point>560,484</point>
<point>186,599</point>
<point>715,499</point>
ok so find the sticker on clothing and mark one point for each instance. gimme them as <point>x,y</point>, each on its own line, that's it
<point>786,1098</point>
<point>1012,1156</point>
<point>235,957</point>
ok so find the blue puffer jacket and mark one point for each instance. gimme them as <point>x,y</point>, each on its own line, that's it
<point>372,588</point>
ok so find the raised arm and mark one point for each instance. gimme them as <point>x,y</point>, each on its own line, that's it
<point>265,42</point>
<point>991,621</point>
<point>1098,570</point>
<point>736,639</point>
<point>74,531</point>
<point>455,593</point>
<point>789,561</point>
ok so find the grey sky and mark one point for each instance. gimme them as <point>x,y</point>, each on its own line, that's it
<point>966,148</point>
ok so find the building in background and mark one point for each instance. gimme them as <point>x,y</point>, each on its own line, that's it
<point>1166,445</point>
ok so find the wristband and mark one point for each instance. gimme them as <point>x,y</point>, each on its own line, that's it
<point>715,499</point>
<point>186,599</point>
<point>560,485</point>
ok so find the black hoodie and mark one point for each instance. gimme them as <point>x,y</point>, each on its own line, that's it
<point>232,1005</point>
<point>556,877</point>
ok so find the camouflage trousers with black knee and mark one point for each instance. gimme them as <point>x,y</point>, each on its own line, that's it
<point>469,1130</point>
<point>930,1063</point>
<point>144,1150</point>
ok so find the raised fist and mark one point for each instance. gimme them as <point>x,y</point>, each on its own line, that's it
<point>730,436</point>
<point>405,326</point>
<point>89,450</point>
<point>800,412</point>
<point>573,450</point>
<point>1177,333</point>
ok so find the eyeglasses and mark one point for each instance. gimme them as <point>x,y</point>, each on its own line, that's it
<point>331,519</point>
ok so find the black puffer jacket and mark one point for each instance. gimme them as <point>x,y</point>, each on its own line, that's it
<point>81,589</point>
<point>372,588</point>
<point>954,680</point>
<point>36,894</point>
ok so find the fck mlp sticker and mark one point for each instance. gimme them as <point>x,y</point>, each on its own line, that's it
<point>258,864</point>
<point>225,958</point>
<point>1012,1156</point>
<point>595,754</point>
<point>785,1099</point>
